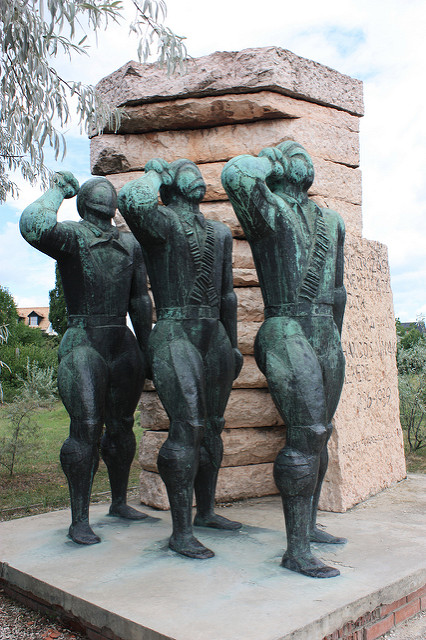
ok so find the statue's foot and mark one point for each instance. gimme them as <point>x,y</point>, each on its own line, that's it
<point>124,511</point>
<point>317,535</point>
<point>190,547</point>
<point>216,522</point>
<point>310,566</point>
<point>81,533</point>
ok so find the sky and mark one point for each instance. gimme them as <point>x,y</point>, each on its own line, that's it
<point>381,42</point>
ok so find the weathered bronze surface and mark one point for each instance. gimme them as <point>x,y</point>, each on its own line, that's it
<point>102,366</point>
<point>193,346</point>
<point>298,252</point>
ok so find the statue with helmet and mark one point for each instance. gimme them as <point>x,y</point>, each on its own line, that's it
<point>298,252</point>
<point>193,346</point>
<point>102,365</point>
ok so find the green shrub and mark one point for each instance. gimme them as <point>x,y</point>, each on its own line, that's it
<point>16,357</point>
<point>22,435</point>
<point>412,394</point>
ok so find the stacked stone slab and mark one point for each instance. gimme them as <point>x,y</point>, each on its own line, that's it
<point>228,104</point>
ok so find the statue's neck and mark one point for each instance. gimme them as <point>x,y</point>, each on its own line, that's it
<point>186,209</point>
<point>294,192</point>
<point>103,224</point>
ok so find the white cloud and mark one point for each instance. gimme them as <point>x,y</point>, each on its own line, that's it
<point>27,273</point>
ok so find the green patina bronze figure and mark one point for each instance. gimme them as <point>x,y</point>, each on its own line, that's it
<point>298,252</point>
<point>102,366</point>
<point>193,346</point>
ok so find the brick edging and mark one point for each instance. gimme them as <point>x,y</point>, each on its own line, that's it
<point>370,626</point>
<point>374,624</point>
<point>67,619</point>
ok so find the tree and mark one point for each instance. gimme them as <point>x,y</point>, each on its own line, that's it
<point>8,320</point>
<point>33,96</point>
<point>57,306</point>
<point>409,336</point>
<point>20,344</point>
<point>412,395</point>
<point>411,361</point>
<point>8,312</point>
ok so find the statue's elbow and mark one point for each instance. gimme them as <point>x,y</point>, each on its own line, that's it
<point>340,297</point>
<point>26,226</point>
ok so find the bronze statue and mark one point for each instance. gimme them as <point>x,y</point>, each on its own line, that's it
<point>193,346</point>
<point>298,252</point>
<point>102,366</point>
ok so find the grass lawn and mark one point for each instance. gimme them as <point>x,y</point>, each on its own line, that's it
<point>416,462</point>
<point>38,483</point>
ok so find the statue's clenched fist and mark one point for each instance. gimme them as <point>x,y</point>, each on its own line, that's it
<point>67,183</point>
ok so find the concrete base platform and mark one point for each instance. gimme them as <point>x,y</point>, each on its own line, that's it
<point>132,587</point>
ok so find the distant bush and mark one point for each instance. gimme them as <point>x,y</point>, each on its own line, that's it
<point>411,362</point>
<point>21,436</point>
<point>26,344</point>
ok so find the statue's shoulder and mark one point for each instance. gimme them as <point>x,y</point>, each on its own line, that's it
<point>71,224</point>
<point>221,229</point>
<point>71,227</point>
<point>128,239</point>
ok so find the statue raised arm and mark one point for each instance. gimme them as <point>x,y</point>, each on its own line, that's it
<point>102,365</point>
<point>298,252</point>
<point>193,346</point>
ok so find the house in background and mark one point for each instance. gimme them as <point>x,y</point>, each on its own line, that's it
<point>419,324</point>
<point>35,317</point>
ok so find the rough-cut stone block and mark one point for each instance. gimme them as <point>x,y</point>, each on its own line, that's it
<point>335,186</point>
<point>250,304</point>
<point>246,408</point>
<point>336,181</point>
<point>251,408</point>
<point>333,183</point>
<point>212,111</point>
<point>366,449</point>
<point>240,446</point>
<point>210,172</point>
<point>245,278</point>
<point>251,446</point>
<point>250,377</point>
<point>351,213</point>
<point>250,70</point>
<point>223,212</point>
<point>115,153</point>
<point>149,446</point>
<point>153,490</point>
<point>120,179</point>
<point>242,257</point>
<point>234,483</point>
<point>230,104</point>
<point>247,332</point>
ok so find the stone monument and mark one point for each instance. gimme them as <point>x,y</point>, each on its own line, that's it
<point>233,103</point>
<point>193,346</point>
<point>102,366</point>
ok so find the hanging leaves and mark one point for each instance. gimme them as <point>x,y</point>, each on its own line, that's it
<point>34,99</point>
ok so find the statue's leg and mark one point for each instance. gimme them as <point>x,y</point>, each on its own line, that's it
<point>332,363</point>
<point>179,379</point>
<point>118,444</point>
<point>295,382</point>
<point>82,379</point>
<point>219,368</point>
<point>177,466</point>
